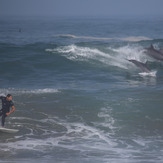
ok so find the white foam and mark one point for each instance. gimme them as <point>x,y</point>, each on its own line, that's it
<point>91,55</point>
<point>84,52</point>
<point>40,91</point>
<point>152,74</point>
<point>23,91</point>
<point>117,57</point>
<point>131,52</point>
<point>79,137</point>
<point>71,138</point>
<point>109,121</point>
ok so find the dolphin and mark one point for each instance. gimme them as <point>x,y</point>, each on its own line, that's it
<point>142,66</point>
<point>156,54</point>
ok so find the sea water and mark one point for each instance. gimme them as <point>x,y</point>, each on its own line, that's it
<point>78,99</point>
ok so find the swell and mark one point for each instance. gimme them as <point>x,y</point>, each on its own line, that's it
<point>106,56</point>
<point>42,62</point>
<point>130,39</point>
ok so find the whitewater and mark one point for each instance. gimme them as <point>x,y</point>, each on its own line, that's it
<point>78,98</point>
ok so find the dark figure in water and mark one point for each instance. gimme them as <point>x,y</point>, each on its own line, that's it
<point>154,53</point>
<point>6,104</point>
<point>141,65</point>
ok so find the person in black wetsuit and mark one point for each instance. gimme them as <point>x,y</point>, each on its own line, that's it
<point>6,104</point>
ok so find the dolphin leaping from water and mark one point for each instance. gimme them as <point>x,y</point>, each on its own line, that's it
<point>142,66</point>
<point>156,54</point>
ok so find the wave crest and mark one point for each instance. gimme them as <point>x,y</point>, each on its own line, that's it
<point>107,56</point>
<point>130,39</point>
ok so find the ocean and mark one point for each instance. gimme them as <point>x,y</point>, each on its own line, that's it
<point>78,99</point>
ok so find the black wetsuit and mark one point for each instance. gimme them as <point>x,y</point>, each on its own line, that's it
<point>5,108</point>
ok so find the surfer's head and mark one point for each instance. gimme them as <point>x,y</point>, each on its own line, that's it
<point>9,97</point>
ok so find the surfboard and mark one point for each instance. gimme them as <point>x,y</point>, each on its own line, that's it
<point>8,130</point>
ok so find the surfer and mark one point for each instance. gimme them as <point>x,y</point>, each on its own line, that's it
<point>6,104</point>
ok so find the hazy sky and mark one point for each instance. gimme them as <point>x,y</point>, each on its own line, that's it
<point>80,7</point>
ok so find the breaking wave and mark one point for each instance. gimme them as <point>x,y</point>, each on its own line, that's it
<point>105,56</point>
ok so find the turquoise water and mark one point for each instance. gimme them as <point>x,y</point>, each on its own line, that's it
<point>77,97</point>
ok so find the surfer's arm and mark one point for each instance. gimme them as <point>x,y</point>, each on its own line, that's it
<point>13,109</point>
